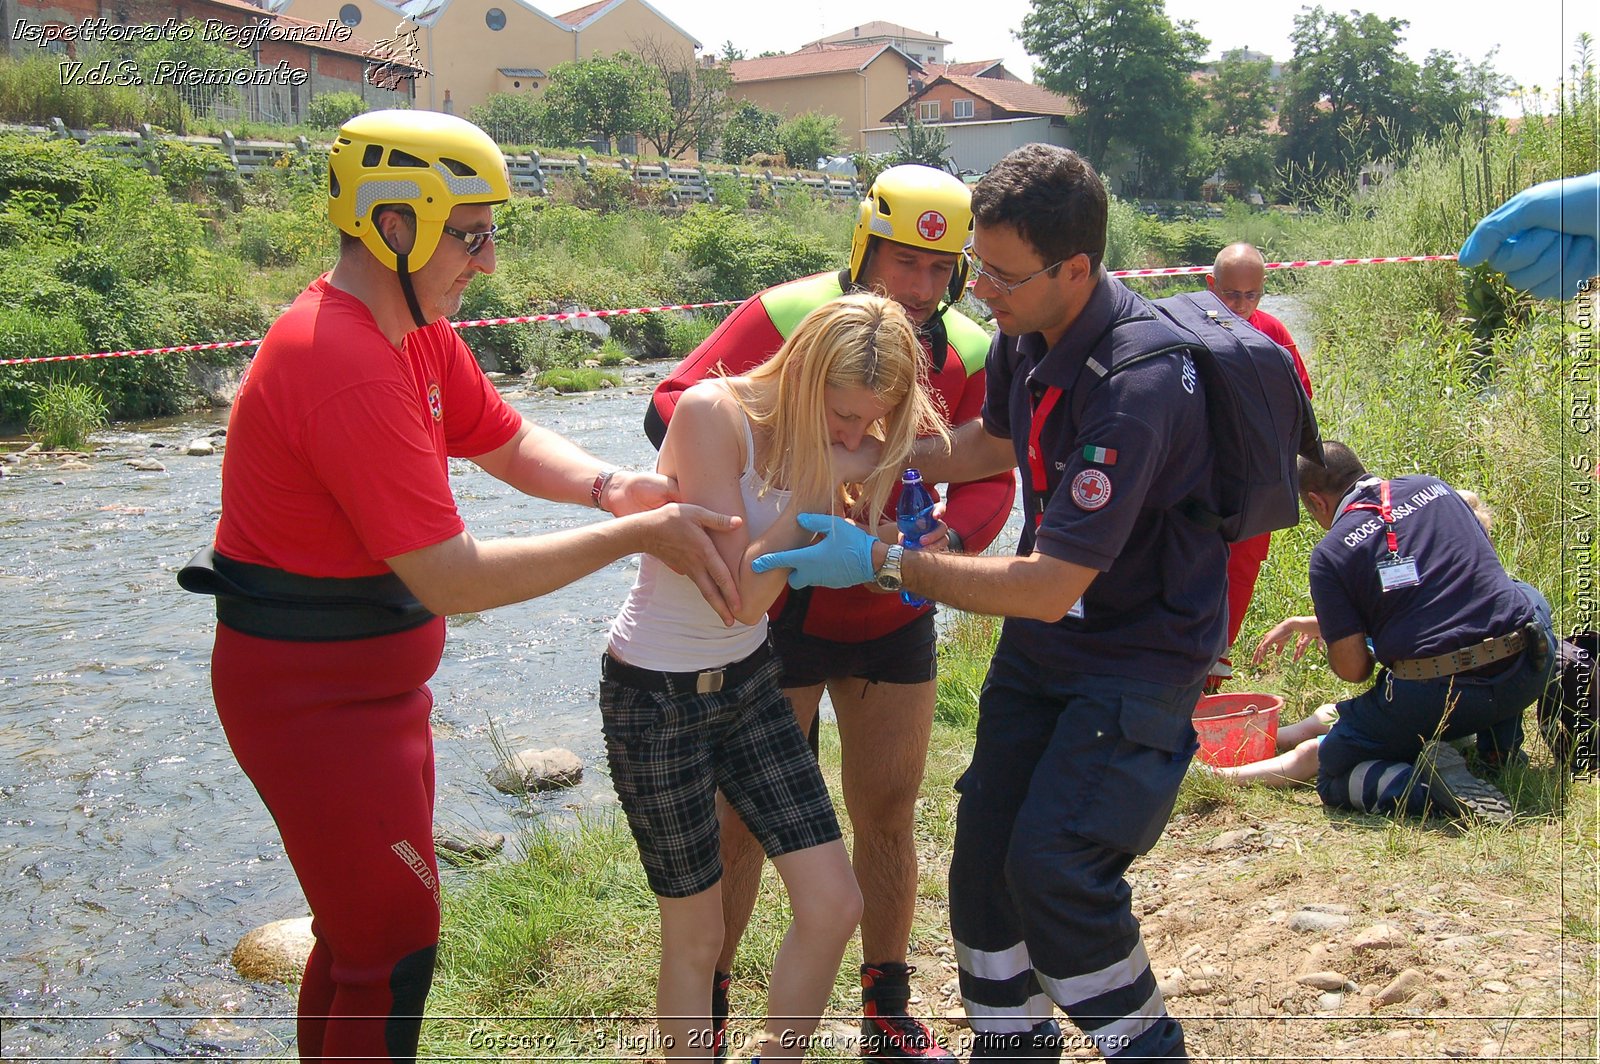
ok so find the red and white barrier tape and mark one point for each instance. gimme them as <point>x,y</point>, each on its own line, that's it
<point>1166,271</point>
<point>1171,271</point>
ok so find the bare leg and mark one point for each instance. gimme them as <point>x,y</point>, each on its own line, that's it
<point>691,935</point>
<point>741,853</point>
<point>1297,767</point>
<point>1318,722</point>
<point>883,736</point>
<point>827,906</point>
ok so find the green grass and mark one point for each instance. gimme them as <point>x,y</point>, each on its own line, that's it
<point>577,380</point>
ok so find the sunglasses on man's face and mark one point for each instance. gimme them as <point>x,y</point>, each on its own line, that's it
<point>475,241</point>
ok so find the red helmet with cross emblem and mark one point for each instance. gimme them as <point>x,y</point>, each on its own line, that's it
<point>918,206</point>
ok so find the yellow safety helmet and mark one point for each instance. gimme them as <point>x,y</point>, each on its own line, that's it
<point>426,160</point>
<point>921,207</point>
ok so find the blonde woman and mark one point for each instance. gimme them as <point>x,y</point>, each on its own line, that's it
<point>691,705</point>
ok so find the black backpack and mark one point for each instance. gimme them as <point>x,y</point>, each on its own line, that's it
<point>1259,413</point>
<point>1569,720</point>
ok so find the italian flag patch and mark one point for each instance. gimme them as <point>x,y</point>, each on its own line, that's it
<point>1102,455</point>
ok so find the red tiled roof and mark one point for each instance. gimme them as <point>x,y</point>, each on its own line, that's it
<point>810,61</point>
<point>970,69</point>
<point>1007,95</point>
<point>575,17</point>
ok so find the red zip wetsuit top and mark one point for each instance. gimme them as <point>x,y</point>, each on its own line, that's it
<point>976,510</point>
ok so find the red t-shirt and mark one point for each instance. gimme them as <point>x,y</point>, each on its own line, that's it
<point>338,443</point>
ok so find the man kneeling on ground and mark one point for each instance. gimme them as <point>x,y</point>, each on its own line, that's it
<point>1407,579</point>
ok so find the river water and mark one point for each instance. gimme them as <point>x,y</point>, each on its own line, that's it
<point>135,854</point>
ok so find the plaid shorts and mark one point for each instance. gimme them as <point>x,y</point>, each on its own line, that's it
<point>670,751</point>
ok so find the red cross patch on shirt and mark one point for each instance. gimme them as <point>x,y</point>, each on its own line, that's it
<point>1091,489</point>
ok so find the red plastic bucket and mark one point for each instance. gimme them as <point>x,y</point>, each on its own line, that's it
<point>1237,729</point>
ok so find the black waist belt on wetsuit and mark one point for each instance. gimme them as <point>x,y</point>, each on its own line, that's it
<point>274,604</point>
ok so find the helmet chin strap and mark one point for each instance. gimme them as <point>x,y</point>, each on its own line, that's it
<point>411,293</point>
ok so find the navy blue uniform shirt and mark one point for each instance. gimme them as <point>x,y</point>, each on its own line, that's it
<point>1464,595</point>
<point>1141,446</point>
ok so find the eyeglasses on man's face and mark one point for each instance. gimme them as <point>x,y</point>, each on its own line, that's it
<point>1008,287</point>
<point>475,241</point>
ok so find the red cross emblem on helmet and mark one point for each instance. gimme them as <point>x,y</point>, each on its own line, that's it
<point>932,225</point>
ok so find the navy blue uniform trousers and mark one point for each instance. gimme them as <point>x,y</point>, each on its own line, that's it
<point>1367,761</point>
<point>1072,776</point>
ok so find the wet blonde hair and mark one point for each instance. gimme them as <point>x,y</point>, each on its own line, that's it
<point>858,340</point>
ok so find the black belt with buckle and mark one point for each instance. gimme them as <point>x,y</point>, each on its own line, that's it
<point>704,682</point>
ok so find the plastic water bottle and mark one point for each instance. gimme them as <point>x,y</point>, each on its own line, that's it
<point>914,515</point>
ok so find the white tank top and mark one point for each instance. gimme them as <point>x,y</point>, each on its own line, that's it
<point>666,625</point>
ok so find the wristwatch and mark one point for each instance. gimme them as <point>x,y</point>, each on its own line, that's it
<point>597,490</point>
<point>888,574</point>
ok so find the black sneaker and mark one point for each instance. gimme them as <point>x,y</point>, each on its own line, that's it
<point>1454,790</point>
<point>887,1032</point>
<point>720,981</point>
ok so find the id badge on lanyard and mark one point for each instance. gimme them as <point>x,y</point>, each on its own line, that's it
<point>1394,571</point>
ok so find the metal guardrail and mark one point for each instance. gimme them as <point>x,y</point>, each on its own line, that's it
<point>531,173</point>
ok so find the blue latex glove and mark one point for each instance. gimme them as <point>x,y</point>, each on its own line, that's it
<point>1543,238</point>
<point>842,558</point>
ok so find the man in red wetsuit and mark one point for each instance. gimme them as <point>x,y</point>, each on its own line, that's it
<point>340,550</point>
<point>872,653</point>
<point>1239,279</point>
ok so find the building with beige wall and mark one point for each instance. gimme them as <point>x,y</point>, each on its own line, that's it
<point>855,84</point>
<point>922,47</point>
<point>473,48</point>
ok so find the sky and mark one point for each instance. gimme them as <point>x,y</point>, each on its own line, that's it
<point>1534,36</point>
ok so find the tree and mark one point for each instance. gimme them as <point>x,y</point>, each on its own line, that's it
<point>808,137</point>
<point>1239,96</point>
<point>330,110</point>
<point>509,117</point>
<point>1353,96</point>
<point>915,142</point>
<point>1245,159</point>
<point>730,53</point>
<point>750,130</point>
<point>1127,67</point>
<point>696,100</point>
<point>602,98</point>
<point>1452,91</point>
<point>1351,91</point>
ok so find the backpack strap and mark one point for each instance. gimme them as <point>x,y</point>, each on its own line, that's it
<point>1135,340</point>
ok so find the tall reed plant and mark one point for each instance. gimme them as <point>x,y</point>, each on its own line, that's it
<point>65,414</point>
